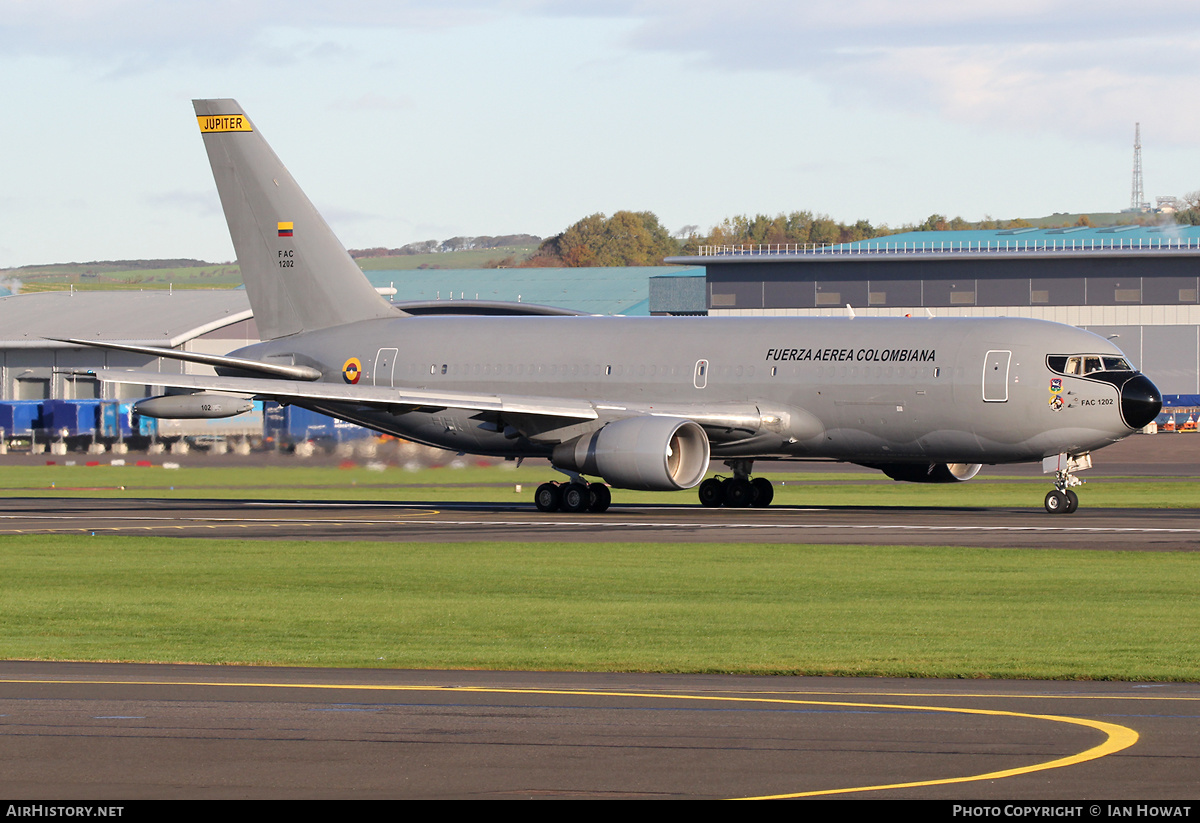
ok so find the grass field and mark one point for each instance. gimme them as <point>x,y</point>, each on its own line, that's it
<point>747,608</point>
<point>109,277</point>
<point>473,259</point>
<point>744,608</point>
<point>101,277</point>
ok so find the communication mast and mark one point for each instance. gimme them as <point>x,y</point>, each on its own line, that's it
<point>1138,202</point>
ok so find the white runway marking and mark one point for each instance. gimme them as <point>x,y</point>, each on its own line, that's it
<point>415,518</point>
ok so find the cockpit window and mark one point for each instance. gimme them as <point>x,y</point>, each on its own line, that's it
<point>1081,364</point>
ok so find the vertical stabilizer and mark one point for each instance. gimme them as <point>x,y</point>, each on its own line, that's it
<point>298,275</point>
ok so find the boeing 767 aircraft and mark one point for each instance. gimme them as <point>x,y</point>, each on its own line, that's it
<point>640,403</point>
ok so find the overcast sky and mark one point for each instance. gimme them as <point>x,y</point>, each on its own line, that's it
<point>409,120</point>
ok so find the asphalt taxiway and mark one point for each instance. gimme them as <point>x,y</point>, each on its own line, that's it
<point>102,731</point>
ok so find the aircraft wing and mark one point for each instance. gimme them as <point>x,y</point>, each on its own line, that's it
<point>395,400</point>
<point>534,416</point>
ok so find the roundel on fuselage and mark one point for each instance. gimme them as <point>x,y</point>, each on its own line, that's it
<point>352,371</point>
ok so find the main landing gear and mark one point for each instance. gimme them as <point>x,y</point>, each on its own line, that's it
<point>575,497</point>
<point>739,491</point>
<point>1062,500</point>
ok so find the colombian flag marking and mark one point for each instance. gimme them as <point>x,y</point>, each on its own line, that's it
<point>285,229</point>
<point>352,371</point>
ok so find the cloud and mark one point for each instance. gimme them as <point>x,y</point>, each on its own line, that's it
<point>1075,68</point>
<point>1078,69</point>
<point>138,35</point>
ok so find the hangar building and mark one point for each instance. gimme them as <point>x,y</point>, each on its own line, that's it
<point>35,367</point>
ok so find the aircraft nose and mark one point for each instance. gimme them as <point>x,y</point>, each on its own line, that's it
<point>1141,401</point>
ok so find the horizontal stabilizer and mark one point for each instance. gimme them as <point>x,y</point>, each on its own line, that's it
<point>285,370</point>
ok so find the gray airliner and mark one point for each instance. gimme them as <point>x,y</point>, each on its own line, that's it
<point>638,403</point>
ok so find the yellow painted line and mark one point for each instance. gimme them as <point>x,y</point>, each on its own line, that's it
<point>1117,738</point>
<point>1000,696</point>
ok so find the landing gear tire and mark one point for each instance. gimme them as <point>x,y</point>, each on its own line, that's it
<point>548,497</point>
<point>764,492</point>
<point>1062,502</point>
<point>576,498</point>
<point>1072,502</point>
<point>1057,502</point>
<point>600,496</point>
<point>736,492</point>
<point>739,493</point>
<point>712,492</point>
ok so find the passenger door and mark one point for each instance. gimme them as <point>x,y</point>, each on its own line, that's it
<point>995,376</point>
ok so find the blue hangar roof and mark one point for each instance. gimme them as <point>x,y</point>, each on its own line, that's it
<point>1065,239</point>
<point>1121,239</point>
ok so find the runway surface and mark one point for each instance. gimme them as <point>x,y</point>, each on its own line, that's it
<point>101,731</point>
<point>1125,529</point>
<point>1172,456</point>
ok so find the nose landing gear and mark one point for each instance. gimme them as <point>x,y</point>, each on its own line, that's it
<point>1062,500</point>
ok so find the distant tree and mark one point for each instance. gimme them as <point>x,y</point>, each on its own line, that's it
<point>625,239</point>
<point>934,222</point>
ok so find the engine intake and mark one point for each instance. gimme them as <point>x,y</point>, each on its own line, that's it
<point>640,453</point>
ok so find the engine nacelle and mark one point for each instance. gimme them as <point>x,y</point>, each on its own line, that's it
<point>198,406</point>
<point>642,453</point>
<point>929,472</point>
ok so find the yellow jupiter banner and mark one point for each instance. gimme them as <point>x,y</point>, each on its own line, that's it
<point>224,122</point>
